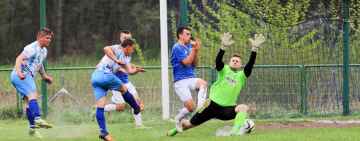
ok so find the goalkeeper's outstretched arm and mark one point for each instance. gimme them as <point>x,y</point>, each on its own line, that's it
<point>249,66</point>
<point>255,44</point>
<point>219,63</point>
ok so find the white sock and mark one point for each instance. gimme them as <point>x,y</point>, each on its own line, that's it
<point>182,113</point>
<point>201,97</point>
<point>110,107</point>
<point>138,119</point>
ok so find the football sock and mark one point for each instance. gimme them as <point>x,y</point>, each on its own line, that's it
<point>101,121</point>
<point>132,102</point>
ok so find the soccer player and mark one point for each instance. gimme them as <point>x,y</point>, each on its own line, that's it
<point>224,92</point>
<point>104,79</point>
<point>117,99</point>
<point>184,60</point>
<point>27,64</point>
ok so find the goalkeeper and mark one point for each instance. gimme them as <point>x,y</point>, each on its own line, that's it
<point>224,92</point>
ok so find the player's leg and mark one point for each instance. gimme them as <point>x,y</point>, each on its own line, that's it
<point>137,117</point>
<point>183,91</point>
<point>117,102</point>
<point>133,91</point>
<point>239,121</point>
<point>28,113</point>
<point>101,82</point>
<point>35,110</point>
<point>32,127</point>
<point>129,98</point>
<point>27,88</point>
<point>205,113</point>
<point>100,117</point>
<point>23,89</point>
<point>201,85</point>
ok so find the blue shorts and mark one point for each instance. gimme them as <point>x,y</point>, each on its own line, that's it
<point>102,82</point>
<point>23,87</point>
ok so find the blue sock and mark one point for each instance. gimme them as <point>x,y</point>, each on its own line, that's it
<point>34,108</point>
<point>30,118</point>
<point>101,121</point>
<point>132,102</point>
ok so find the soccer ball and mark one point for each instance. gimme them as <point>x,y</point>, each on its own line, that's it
<point>249,126</point>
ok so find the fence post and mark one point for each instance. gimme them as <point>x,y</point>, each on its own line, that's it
<point>303,90</point>
<point>44,94</point>
<point>19,104</point>
<point>346,58</point>
<point>183,20</point>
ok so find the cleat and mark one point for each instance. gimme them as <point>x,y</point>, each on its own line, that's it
<point>237,131</point>
<point>172,132</point>
<point>106,137</point>
<point>35,126</point>
<point>178,125</point>
<point>42,123</point>
<point>35,133</point>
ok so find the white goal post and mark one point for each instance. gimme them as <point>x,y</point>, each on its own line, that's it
<point>164,61</point>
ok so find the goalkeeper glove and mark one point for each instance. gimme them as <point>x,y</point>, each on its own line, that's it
<point>256,41</point>
<point>226,40</point>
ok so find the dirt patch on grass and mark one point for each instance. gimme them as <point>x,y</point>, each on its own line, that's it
<point>311,124</point>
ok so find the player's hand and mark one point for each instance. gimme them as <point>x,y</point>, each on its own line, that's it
<point>256,41</point>
<point>140,69</point>
<point>226,40</point>
<point>48,79</point>
<point>196,44</point>
<point>21,75</point>
<point>119,62</point>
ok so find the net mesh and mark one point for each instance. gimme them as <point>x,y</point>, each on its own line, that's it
<point>298,69</point>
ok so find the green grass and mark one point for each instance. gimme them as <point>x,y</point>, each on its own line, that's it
<point>17,130</point>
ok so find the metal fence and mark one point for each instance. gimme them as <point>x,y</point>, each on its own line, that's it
<point>275,90</point>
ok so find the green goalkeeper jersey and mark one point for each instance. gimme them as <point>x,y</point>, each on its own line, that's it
<point>227,87</point>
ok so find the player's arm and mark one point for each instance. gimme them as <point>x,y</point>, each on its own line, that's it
<point>250,64</point>
<point>19,61</point>
<point>218,61</point>
<point>191,59</point>
<point>133,69</point>
<point>196,56</point>
<point>110,53</point>
<point>255,44</point>
<point>226,41</point>
<point>44,75</point>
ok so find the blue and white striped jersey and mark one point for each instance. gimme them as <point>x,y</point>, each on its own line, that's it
<point>34,57</point>
<point>108,65</point>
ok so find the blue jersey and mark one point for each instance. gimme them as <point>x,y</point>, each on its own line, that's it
<point>181,71</point>
<point>120,72</point>
<point>123,76</point>
<point>34,57</point>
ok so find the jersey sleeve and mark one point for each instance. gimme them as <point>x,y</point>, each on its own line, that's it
<point>114,48</point>
<point>179,54</point>
<point>28,52</point>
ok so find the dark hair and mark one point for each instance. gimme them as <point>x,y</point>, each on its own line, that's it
<point>125,31</point>
<point>45,31</point>
<point>180,30</point>
<point>127,42</point>
<point>236,55</point>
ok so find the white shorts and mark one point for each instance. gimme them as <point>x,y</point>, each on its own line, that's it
<point>117,97</point>
<point>184,87</point>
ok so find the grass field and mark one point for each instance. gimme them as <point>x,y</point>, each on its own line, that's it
<point>11,130</point>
